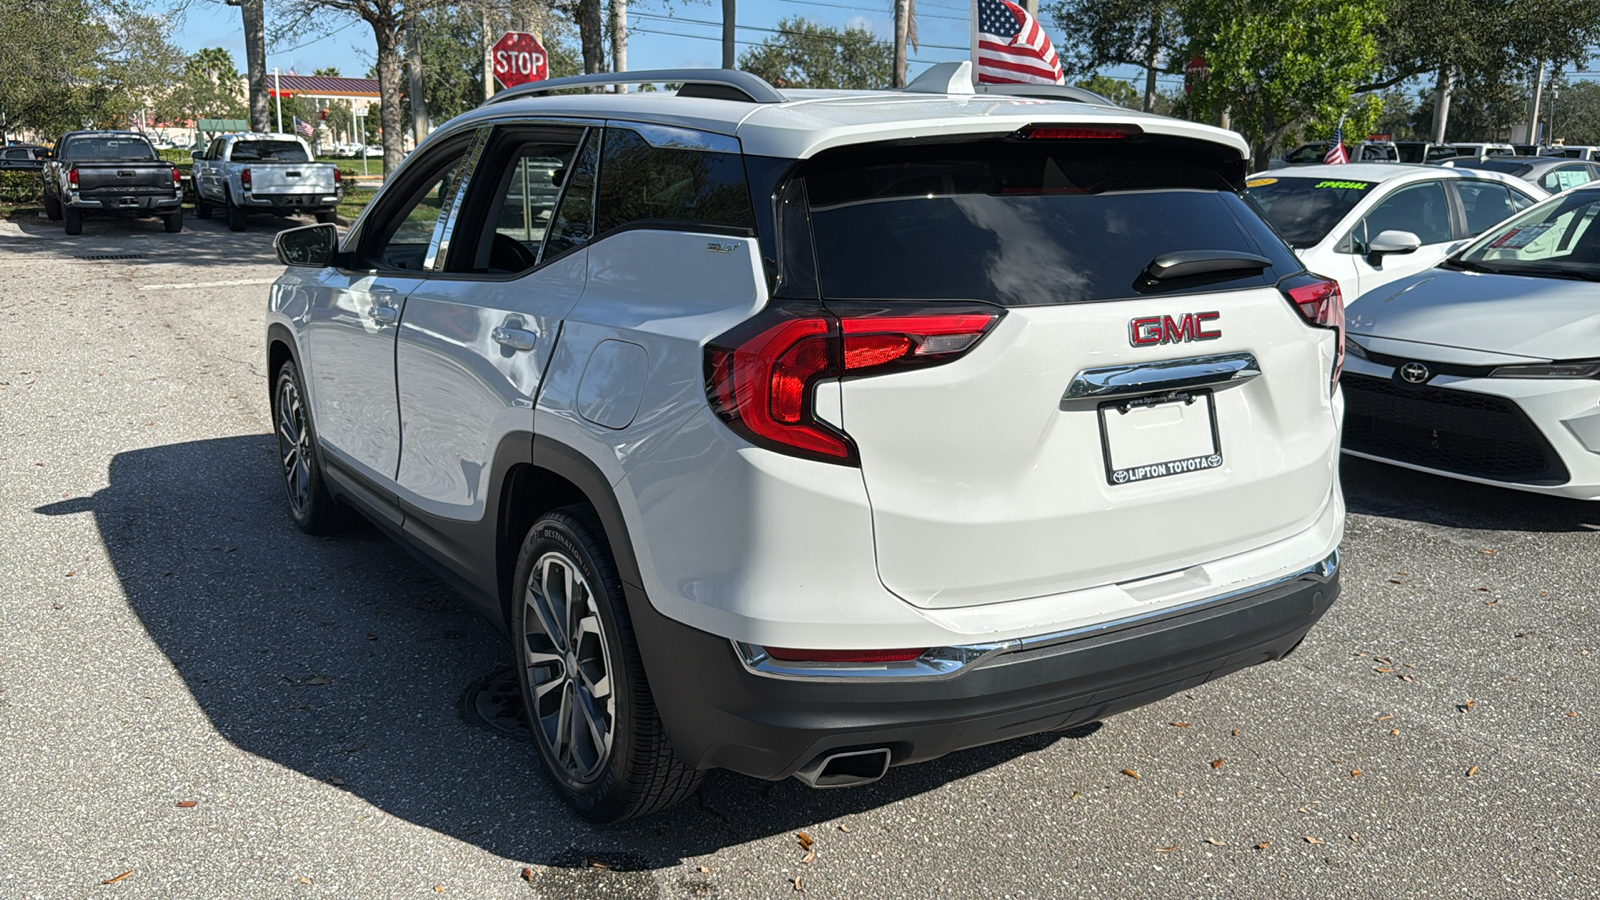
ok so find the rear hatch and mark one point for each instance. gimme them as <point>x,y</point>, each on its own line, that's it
<point>1036,462</point>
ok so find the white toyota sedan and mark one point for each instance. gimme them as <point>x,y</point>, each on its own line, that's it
<point>1487,367</point>
<point>1367,225</point>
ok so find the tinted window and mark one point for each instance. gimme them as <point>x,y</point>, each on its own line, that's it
<point>1304,210</point>
<point>1485,203</point>
<point>573,224</point>
<point>402,225</point>
<point>644,184</point>
<point>1420,209</point>
<point>522,174</point>
<point>118,148</point>
<point>1023,224</point>
<point>269,151</point>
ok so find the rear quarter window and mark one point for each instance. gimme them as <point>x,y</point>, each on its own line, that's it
<point>643,185</point>
<point>1025,224</point>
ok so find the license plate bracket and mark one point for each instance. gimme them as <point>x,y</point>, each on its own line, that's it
<point>1159,435</point>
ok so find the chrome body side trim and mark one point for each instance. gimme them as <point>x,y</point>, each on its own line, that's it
<point>1159,376</point>
<point>439,244</point>
<point>949,662</point>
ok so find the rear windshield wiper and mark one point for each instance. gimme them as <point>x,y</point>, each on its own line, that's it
<point>1187,263</point>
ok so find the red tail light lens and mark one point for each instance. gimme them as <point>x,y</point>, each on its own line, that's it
<point>244,178</point>
<point>787,654</point>
<point>177,177</point>
<point>338,177</point>
<point>1083,132</point>
<point>1319,300</point>
<point>761,376</point>
<point>72,177</point>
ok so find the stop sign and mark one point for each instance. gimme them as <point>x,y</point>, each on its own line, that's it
<point>519,58</point>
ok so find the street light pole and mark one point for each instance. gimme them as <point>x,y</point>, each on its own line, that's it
<point>277,91</point>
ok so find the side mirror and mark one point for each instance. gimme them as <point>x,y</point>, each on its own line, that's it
<point>197,154</point>
<point>312,246</point>
<point>44,154</point>
<point>1393,242</point>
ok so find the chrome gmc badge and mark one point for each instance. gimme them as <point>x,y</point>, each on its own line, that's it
<point>1148,331</point>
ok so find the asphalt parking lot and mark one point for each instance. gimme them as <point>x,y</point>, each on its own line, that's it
<point>167,636</point>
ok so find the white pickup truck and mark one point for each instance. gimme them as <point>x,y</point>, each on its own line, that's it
<point>244,173</point>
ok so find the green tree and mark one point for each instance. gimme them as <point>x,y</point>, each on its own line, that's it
<point>1276,67</point>
<point>805,54</point>
<point>208,88</point>
<point>1114,89</point>
<point>1574,110</point>
<point>1100,33</point>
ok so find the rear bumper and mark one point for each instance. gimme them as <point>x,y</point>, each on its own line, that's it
<point>139,204</point>
<point>723,714</point>
<point>292,202</point>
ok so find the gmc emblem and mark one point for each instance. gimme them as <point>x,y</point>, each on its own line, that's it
<point>1151,330</point>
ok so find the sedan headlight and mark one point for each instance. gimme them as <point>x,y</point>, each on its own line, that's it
<point>1577,369</point>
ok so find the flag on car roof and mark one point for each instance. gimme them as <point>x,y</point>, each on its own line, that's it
<point>303,127</point>
<point>1009,47</point>
<point>1336,155</point>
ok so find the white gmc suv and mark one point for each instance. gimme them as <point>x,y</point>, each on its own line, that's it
<point>809,433</point>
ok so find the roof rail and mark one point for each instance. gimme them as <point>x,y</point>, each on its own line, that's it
<point>753,88</point>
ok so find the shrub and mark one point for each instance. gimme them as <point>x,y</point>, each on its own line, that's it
<point>20,187</point>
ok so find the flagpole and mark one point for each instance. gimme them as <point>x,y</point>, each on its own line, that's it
<point>277,90</point>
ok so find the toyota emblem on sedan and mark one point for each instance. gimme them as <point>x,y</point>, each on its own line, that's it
<point>1415,372</point>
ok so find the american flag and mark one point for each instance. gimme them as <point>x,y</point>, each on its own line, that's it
<point>1010,47</point>
<point>303,127</point>
<point>1336,155</point>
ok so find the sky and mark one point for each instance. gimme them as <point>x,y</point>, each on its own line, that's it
<point>686,33</point>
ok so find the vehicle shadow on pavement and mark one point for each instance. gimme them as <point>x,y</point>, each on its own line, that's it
<point>1392,492</point>
<point>203,243</point>
<point>346,661</point>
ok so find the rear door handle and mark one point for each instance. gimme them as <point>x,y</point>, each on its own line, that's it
<point>515,338</point>
<point>1160,376</point>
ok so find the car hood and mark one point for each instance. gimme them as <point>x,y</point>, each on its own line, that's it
<point>1544,318</point>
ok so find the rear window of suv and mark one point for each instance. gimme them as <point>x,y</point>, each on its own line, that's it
<point>107,147</point>
<point>269,151</point>
<point>1024,224</point>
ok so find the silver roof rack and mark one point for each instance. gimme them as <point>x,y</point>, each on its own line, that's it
<point>727,84</point>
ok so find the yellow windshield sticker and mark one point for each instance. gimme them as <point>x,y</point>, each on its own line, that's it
<point>1260,182</point>
<point>1343,185</point>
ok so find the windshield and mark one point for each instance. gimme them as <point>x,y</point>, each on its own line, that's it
<point>107,147</point>
<point>1307,153</point>
<point>1025,224</point>
<point>269,151</point>
<point>1557,239</point>
<point>1494,164</point>
<point>1304,210</point>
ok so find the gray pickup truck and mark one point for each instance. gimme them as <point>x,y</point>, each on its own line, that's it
<point>110,173</point>
<point>240,174</point>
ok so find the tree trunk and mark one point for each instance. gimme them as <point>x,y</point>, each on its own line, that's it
<point>255,54</point>
<point>1150,73</point>
<point>619,35</point>
<point>1538,99</point>
<point>419,102</point>
<point>730,56</point>
<point>902,32</point>
<point>592,34</point>
<point>488,55</point>
<point>1441,104</point>
<point>387,36</point>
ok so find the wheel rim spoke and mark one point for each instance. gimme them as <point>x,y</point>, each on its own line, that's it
<point>568,668</point>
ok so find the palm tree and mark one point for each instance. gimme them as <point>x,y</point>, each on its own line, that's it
<point>905,32</point>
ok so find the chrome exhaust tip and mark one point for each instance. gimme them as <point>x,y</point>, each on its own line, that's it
<point>851,768</point>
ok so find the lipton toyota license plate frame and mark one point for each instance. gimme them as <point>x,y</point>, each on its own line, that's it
<point>1194,444</point>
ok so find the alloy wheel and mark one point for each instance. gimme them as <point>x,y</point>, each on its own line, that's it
<point>568,668</point>
<point>294,446</point>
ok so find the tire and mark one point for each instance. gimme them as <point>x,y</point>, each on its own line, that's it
<point>202,209</point>
<point>329,217</point>
<point>311,506</point>
<point>635,772</point>
<point>73,220</point>
<point>52,209</point>
<point>237,218</point>
<point>173,222</point>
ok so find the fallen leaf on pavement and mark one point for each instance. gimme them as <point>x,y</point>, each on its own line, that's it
<point>1405,677</point>
<point>1383,659</point>
<point>317,679</point>
<point>1180,724</point>
<point>1385,718</point>
<point>187,804</point>
<point>1466,706</point>
<point>1263,845</point>
<point>1216,843</point>
<point>116,878</point>
<point>1312,840</point>
<point>798,885</point>
<point>1354,837</point>
<point>810,857</point>
<point>1394,731</point>
<point>1355,773</point>
<point>438,889</point>
<point>527,874</point>
<point>1573,714</point>
<point>336,781</point>
<point>805,840</point>
<point>1384,669</point>
<point>1216,763</point>
<point>1396,581</point>
<point>1130,773</point>
<point>704,870</point>
<point>1236,732</point>
<point>845,828</point>
<point>1166,849</point>
<point>1472,771</point>
<point>304,880</point>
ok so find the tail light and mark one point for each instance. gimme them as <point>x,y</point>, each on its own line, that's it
<point>177,178</point>
<point>1082,132</point>
<point>787,654</point>
<point>72,178</point>
<point>760,377</point>
<point>338,177</point>
<point>244,179</point>
<point>1319,300</point>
